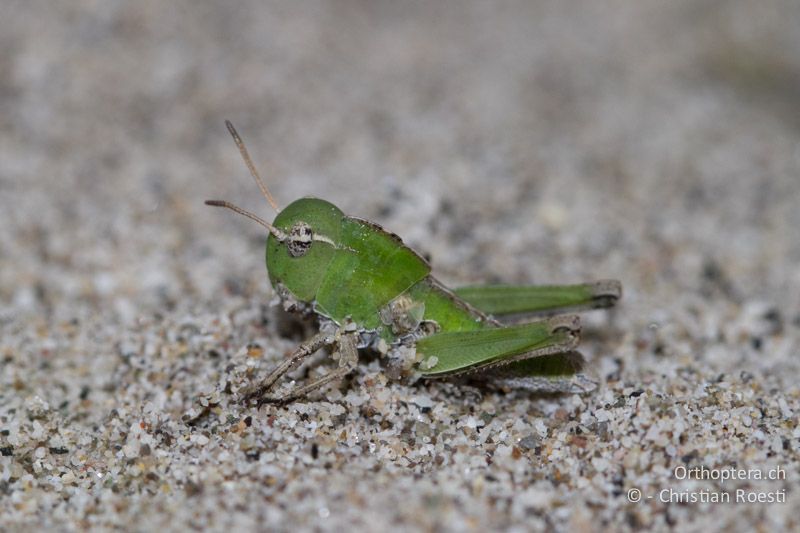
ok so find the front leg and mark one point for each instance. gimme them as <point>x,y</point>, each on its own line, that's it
<point>346,347</point>
<point>348,359</point>
<point>306,349</point>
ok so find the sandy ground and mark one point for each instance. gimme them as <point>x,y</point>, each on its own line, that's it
<point>654,142</point>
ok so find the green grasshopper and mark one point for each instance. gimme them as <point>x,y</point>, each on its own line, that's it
<point>368,289</point>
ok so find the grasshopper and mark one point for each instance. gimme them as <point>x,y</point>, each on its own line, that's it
<point>368,289</point>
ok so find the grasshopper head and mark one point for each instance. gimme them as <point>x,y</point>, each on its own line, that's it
<point>307,237</point>
<point>302,238</point>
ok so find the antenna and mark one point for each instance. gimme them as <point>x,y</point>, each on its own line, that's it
<point>251,167</point>
<point>281,236</point>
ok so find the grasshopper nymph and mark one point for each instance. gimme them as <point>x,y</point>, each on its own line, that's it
<point>369,289</point>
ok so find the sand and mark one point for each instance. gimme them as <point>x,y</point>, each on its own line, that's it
<point>548,142</point>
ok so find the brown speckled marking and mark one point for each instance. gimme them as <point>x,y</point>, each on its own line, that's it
<point>300,238</point>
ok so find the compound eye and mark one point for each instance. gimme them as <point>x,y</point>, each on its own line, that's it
<point>300,239</point>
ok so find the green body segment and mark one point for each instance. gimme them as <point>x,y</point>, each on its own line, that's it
<point>445,309</point>
<point>552,366</point>
<point>456,351</point>
<point>514,299</point>
<point>370,269</point>
<point>302,276</point>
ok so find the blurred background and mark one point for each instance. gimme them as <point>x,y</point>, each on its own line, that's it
<point>533,142</point>
<point>522,141</point>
